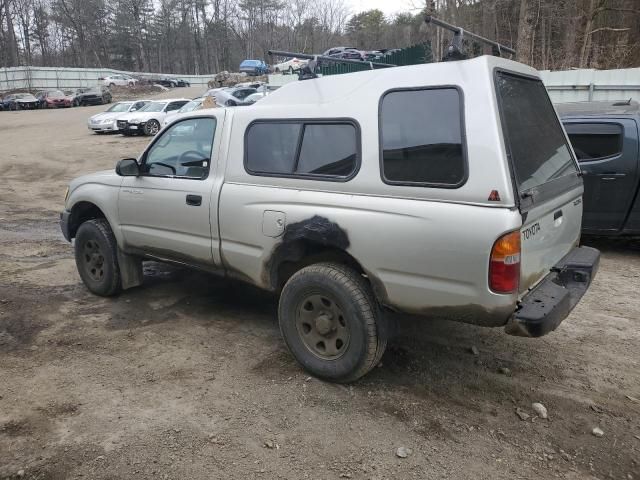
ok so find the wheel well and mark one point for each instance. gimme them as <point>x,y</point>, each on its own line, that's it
<point>302,253</point>
<point>80,213</point>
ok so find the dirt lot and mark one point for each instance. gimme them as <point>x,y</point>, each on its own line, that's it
<point>187,377</point>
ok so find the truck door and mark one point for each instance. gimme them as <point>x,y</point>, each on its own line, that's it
<point>170,209</point>
<point>608,154</point>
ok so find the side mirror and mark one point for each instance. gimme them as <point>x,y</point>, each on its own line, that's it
<point>128,167</point>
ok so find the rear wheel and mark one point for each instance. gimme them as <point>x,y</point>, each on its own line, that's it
<point>331,322</point>
<point>96,257</point>
<point>290,70</point>
<point>152,127</point>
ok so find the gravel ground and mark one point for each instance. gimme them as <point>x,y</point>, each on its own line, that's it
<point>187,377</point>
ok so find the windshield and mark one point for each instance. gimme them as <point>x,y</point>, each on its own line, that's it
<point>534,137</point>
<point>153,107</point>
<point>191,106</point>
<point>120,107</point>
<point>249,63</point>
<point>55,94</point>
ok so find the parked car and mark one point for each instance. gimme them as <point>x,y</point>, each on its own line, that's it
<point>53,99</point>
<point>120,80</point>
<point>98,95</point>
<point>373,55</point>
<point>351,209</point>
<point>107,120</point>
<point>193,105</point>
<point>20,101</point>
<point>233,96</point>
<point>605,140</point>
<point>290,65</point>
<point>165,82</point>
<point>254,67</point>
<point>344,52</point>
<point>148,120</point>
<point>255,97</point>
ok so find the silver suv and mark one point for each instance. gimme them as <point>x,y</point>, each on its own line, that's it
<point>442,191</point>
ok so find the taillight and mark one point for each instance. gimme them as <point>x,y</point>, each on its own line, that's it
<point>504,265</point>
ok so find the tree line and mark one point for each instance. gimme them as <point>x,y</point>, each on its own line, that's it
<point>208,36</point>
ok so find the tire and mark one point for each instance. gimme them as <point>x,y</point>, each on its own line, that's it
<point>290,70</point>
<point>152,127</point>
<point>76,103</point>
<point>96,257</point>
<point>111,85</point>
<point>130,84</point>
<point>231,103</point>
<point>331,323</point>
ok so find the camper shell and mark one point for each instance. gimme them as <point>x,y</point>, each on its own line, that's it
<point>436,190</point>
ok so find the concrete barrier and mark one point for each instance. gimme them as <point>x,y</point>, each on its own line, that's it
<point>40,78</point>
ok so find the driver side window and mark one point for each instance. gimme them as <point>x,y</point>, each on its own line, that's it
<point>183,150</point>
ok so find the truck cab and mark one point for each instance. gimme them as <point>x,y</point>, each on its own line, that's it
<point>442,190</point>
<point>604,136</point>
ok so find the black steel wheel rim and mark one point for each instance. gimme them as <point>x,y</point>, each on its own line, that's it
<point>322,326</point>
<point>93,259</point>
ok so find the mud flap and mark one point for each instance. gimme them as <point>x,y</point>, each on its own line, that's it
<point>130,270</point>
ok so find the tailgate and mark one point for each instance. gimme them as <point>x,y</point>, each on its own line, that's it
<point>545,175</point>
<point>550,232</point>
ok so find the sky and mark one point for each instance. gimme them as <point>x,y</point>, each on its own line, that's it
<point>389,7</point>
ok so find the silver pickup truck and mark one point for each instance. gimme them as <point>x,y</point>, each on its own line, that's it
<point>443,190</point>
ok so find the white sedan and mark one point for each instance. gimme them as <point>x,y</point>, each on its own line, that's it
<point>291,65</point>
<point>148,120</point>
<point>121,80</point>
<point>193,105</point>
<point>106,121</point>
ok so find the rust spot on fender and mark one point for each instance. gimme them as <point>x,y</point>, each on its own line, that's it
<point>317,230</point>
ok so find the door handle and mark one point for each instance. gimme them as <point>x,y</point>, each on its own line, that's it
<point>612,176</point>
<point>195,200</point>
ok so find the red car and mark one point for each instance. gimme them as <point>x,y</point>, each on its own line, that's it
<point>53,99</point>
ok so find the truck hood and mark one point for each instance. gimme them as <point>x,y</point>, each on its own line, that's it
<point>104,177</point>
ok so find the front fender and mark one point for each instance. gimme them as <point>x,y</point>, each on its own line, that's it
<point>104,196</point>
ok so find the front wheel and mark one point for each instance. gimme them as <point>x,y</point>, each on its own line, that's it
<point>331,322</point>
<point>152,127</point>
<point>96,257</point>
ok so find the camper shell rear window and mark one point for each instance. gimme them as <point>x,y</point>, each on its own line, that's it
<point>534,138</point>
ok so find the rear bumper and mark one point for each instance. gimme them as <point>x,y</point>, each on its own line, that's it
<point>550,302</point>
